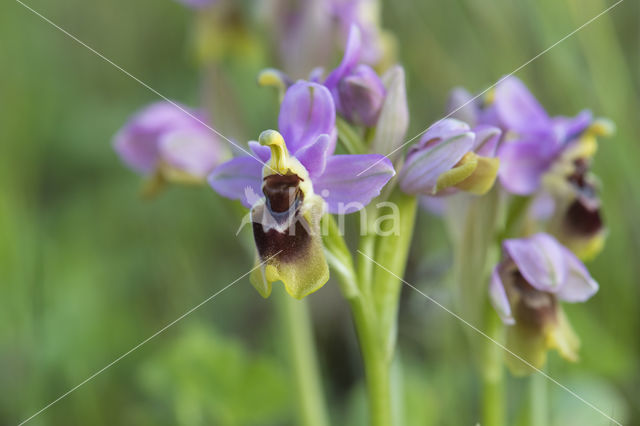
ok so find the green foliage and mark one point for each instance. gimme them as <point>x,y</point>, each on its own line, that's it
<point>205,378</point>
<point>88,270</point>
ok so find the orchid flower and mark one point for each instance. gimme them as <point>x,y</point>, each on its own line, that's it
<point>450,156</point>
<point>527,286</point>
<point>576,218</point>
<point>300,180</point>
<point>532,140</point>
<point>169,141</point>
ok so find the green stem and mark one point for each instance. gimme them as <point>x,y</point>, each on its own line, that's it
<point>493,409</point>
<point>366,249</point>
<point>349,138</point>
<point>538,412</point>
<point>391,254</point>
<point>373,295</point>
<point>473,225</point>
<point>312,405</point>
<point>377,366</point>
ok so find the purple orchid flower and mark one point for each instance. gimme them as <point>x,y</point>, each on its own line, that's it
<point>164,139</point>
<point>532,139</point>
<point>301,177</point>
<point>526,287</point>
<point>451,156</point>
<point>357,90</point>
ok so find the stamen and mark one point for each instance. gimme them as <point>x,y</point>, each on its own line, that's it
<point>279,152</point>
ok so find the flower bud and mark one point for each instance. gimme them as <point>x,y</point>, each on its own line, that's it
<point>394,115</point>
<point>361,96</point>
<point>449,157</point>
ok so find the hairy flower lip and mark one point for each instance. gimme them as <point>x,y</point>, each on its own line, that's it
<point>526,288</point>
<point>281,192</point>
<point>536,308</point>
<point>544,264</point>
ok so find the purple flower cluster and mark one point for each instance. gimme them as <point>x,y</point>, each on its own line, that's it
<point>169,139</point>
<point>532,140</point>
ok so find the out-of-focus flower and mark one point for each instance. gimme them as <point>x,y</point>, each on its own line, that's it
<point>306,32</point>
<point>303,32</point>
<point>357,90</point>
<point>532,140</point>
<point>301,177</point>
<point>577,219</point>
<point>359,94</point>
<point>223,32</point>
<point>526,289</point>
<point>450,156</point>
<point>365,15</point>
<point>164,140</point>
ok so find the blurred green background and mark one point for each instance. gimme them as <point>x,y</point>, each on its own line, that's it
<point>88,269</point>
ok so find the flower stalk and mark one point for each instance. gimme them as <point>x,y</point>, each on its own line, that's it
<point>373,296</point>
<point>312,409</point>
<point>538,409</point>
<point>473,224</point>
<point>493,392</point>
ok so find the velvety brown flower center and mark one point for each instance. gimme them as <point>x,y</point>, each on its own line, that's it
<point>289,245</point>
<point>583,215</point>
<point>534,308</point>
<point>583,220</point>
<point>282,192</point>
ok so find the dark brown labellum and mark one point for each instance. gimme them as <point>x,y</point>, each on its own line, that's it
<point>283,201</point>
<point>582,219</point>
<point>535,308</point>
<point>583,214</point>
<point>281,192</point>
<point>291,244</point>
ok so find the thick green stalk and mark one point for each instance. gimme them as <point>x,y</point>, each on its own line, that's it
<point>538,411</point>
<point>493,409</point>
<point>373,295</point>
<point>392,251</point>
<point>366,249</point>
<point>473,225</point>
<point>377,366</point>
<point>312,405</point>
